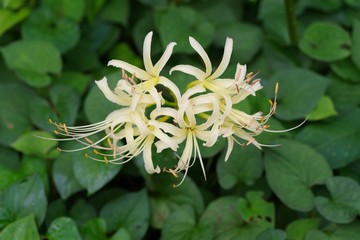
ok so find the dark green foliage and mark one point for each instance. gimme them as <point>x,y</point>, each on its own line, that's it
<point>52,51</point>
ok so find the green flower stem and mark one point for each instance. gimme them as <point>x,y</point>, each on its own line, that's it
<point>291,20</point>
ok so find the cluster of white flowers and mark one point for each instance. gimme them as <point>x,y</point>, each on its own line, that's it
<point>146,121</point>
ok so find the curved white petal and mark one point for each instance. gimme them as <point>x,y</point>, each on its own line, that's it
<point>193,90</point>
<point>164,58</point>
<point>149,67</point>
<point>191,70</point>
<point>230,147</point>
<point>139,73</point>
<point>240,73</point>
<point>170,85</point>
<point>149,166</point>
<point>200,50</point>
<point>108,93</point>
<point>225,60</point>
<point>166,139</point>
<point>156,96</point>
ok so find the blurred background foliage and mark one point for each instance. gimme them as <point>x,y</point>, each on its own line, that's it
<point>53,50</point>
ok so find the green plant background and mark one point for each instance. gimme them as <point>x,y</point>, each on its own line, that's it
<point>53,50</point>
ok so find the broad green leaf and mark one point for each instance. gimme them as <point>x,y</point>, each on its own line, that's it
<point>245,164</point>
<point>7,177</point>
<point>71,9</point>
<point>76,80</point>
<point>116,11</point>
<point>97,107</point>
<point>292,170</point>
<point>347,70</point>
<point>66,101</point>
<point>63,174</point>
<point>272,234</point>
<point>31,165</point>
<point>343,206</point>
<point>245,45</point>
<point>353,3</point>
<point>338,141</point>
<point>298,229</point>
<point>93,7</point>
<point>273,15</point>
<point>130,211</point>
<point>299,92</point>
<point>179,23</point>
<point>324,109</point>
<point>342,232</point>
<point>325,41</point>
<point>23,229</point>
<point>208,152</point>
<point>167,198</point>
<point>9,159</point>
<point>56,209</point>
<point>11,4</point>
<point>226,222</point>
<point>121,234</point>
<point>124,52</point>
<point>63,228</point>
<point>93,175</point>
<point>182,225</point>
<point>255,207</point>
<point>94,229</point>
<point>330,6</point>
<point>81,211</point>
<point>23,198</point>
<point>9,18</point>
<point>40,114</point>
<point>43,25</point>
<point>154,3</point>
<point>82,57</point>
<point>34,79</point>
<point>14,112</point>
<point>31,143</point>
<point>36,56</point>
<point>346,96</point>
<point>355,50</point>
<point>317,235</point>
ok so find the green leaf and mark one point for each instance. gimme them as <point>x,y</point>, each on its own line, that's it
<point>338,141</point>
<point>23,198</point>
<point>82,57</point>
<point>346,96</point>
<point>92,8</point>
<point>55,210</point>
<point>22,229</point>
<point>325,41</point>
<point>116,11</point>
<point>245,45</point>
<point>31,165</point>
<point>7,177</point>
<point>14,116</point>
<point>243,165</point>
<point>355,51</point>
<point>40,114</point>
<point>9,18</point>
<point>272,234</point>
<point>342,232</point>
<point>167,198</point>
<point>34,79</point>
<point>324,109</point>
<point>36,56</point>
<point>71,9</point>
<point>347,70</point>
<point>343,206</point>
<point>130,211</point>
<point>226,222</point>
<point>63,228</point>
<point>94,229</point>
<point>93,175</point>
<point>298,229</point>
<point>121,234</point>
<point>180,23</point>
<point>292,169</point>
<point>181,225</point>
<point>353,3</point>
<point>81,211</point>
<point>330,6</point>
<point>31,143</point>
<point>9,159</point>
<point>63,174</point>
<point>76,80</point>
<point>67,103</point>
<point>255,207</point>
<point>42,25</point>
<point>296,84</point>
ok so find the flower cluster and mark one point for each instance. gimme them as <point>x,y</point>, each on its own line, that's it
<point>146,120</point>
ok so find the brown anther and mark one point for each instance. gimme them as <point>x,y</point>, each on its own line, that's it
<point>173,173</point>
<point>51,121</point>
<point>106,160</point>
<point>56,132</point>
<point>66,129</point>
<point>252,121</point>
<point>271,102</point>
<point>88,140</point>
<point>274,107</point>
<point>266,126</point>
<point>276,88</point>
<point>86,155</point>
<point>262,120</point>
<point>250,142</point>
<point>96,152</point>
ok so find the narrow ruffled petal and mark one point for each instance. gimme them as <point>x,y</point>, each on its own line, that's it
<point>229,147</point>
<point>108,93</point>
<point>200,50</point>
<point>225,60</point>
<point>164,58</point>
<point>149,67</point>
<point>139,73</point>
<point>191,70</point>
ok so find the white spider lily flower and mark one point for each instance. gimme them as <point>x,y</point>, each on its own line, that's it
<point>191,131</point>
<point>208,79</point>
<point>149,77</point>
